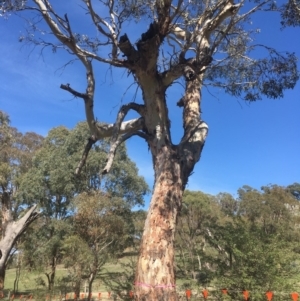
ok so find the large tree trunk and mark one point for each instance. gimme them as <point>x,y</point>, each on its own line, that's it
<point>155,278</point>
<point>11,230</point>
<point>155,274</point>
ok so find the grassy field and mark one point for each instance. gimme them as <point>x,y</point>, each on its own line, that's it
<point>112,276</point>
<point>34,283</point>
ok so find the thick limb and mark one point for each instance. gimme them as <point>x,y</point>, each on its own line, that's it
<point>115,145</point>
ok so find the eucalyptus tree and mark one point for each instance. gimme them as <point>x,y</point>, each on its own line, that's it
<point>102,229</point>
<point>51,182</point>
<point>294,189</point>
<point>203,42</point>
<point>16,153</point>
<point>261,242</point>
<point>196,221</point>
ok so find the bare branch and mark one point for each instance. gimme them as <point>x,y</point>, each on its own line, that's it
<point>107,130</point>
<point>106,245</point>
<point>115,145</point>
<point>207,25</point>
<point>116,140</point>
<point>69,28</point>
<point>169,76</point>
<point>90,143</point>
<point>177,9</point>
<point>72,91</point>
<point>112,29</point>
<point>131,127</point>
<point>163,12</point>
<point>123,112</point>
<point>251,11</point>
<point>223,34</point>
<point>21,225</point>
<point>68,41</point>
<point>97,19</point>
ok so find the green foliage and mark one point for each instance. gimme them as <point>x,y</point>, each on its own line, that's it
<point>253,260</point>
<point>52,179</point>
<point>199,212</point>
<point>73,210</point>
<point>103,222</point>
<point>77,256</point>
<point>17,151</point>
<point>268,76</point>
<point>249,243</point>
<point>102,229</point>
<point>43,242</point>
<point>294,189</point>
<point>228,204</point>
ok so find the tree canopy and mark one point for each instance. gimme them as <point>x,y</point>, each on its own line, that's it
<point>255,249</point>
<point>52,183</point>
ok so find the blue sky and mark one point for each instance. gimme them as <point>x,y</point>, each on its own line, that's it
<point>254,144</point>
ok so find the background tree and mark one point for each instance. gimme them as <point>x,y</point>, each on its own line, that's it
<point>102,229</point>
<point>16,153</point>
<point>260,242</point>
<point>195,227</point>
<point>121,282</point>
<point>204,43</point>
<point>52,182</point>
<point>246,243</point>
<point>294,189</point>
<point>228,204</point>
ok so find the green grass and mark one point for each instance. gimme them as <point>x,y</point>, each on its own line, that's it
<point>113,272</point>
<point>28,280</point>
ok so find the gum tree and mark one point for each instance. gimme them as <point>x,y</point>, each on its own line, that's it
<point>201,42</point>
<point>52,184</point>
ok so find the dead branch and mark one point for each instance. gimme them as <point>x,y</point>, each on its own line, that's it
<point>88,146</point>
<point>115,145</point>
<point>122,113</point>
<point>116,140</point>
<point>81,53</point>
<point>107,130</point>
<point>176,10</point>
<point>72,91</point>
<point>97,20</point>
<point>173,73</point>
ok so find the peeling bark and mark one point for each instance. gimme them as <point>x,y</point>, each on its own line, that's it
<point>155,273</point>
<point>155,276</point>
